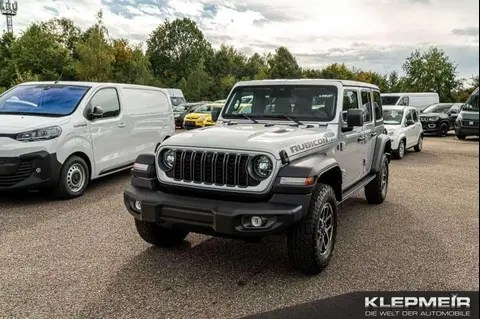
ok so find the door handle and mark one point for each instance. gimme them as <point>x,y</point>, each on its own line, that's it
<point>373,134</point>
<point>121,125</point>
<point>361,138</point>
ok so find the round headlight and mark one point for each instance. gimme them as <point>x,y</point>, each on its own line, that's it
<point>262,166</point>
<point>168,158</point>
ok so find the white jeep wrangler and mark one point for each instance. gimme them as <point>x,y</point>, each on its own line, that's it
<point>303,147</point>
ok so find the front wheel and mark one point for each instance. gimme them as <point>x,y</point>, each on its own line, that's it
<point>400,152</point>
<point>311,242</point>
<point>376,190</point>
<point>442,130</point>
<point>74,178</point>
<point>159,236</point>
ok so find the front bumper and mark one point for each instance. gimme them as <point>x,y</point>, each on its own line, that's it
<point>430,127</point>
<point>29,171</point>
<point>216,217</point>
<point>467,131</point>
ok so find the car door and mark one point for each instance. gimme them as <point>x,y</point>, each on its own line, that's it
<point>369,130</point>
<point>410,133</point>
<point>109,134</point>
<point>352,142</point>
<point>418,129</point>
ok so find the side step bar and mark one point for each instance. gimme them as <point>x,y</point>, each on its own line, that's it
<point>352,190</point>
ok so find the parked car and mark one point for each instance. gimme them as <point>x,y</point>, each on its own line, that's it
<point>453,112</point>
<point>419,100</point>
<point>61,135</point>
<point>197,117</point>
<point>404,129</point>
<point>436,119</point>
<point>271,172</point>
<point>180,111</point>
<point>467,122</point>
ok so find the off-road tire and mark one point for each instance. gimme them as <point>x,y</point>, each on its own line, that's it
<point>159,236</point>
<point>302,243</point>
<point>419,146</point>
<point>442,130</point>
<point>374,192</point>
<point>398,154</point>
<point>62,190</point>
<point>461,137</point>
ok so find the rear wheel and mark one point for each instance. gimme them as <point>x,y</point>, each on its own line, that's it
<point>157,235</point>
<point>311,242</point>
<point>376,190</point>
<point>419,146</point>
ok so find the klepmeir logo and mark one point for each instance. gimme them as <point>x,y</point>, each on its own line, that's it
<point>414,306</point>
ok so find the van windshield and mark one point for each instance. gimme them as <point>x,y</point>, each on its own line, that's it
<point>280,102</point>
<point>176,101</point>
<point>390,100</point>
<point>42,99</point>
<point>472,103</point>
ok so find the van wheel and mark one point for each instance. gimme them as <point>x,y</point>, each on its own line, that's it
<point>311,242</point>
<point>74,178</point>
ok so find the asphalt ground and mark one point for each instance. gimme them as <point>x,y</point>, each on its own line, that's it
<point>83,258</point>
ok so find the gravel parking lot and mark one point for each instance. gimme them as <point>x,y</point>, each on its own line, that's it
<point>83,258</point>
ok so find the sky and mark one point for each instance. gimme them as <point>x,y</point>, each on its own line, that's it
<point>374,35</point>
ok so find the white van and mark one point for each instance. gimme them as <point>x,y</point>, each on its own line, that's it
<point>417,100</point>
<point>60,135</point>
<point>176,96</point>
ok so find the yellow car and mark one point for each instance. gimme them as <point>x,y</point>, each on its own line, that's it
<point>200,116</point>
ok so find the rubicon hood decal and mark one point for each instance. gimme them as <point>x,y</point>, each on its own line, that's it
<point>308,145</point>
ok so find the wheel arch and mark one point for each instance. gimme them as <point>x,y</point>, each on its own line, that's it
<point>333,177</point>
<point>383,145</point>
<point>85,157</point>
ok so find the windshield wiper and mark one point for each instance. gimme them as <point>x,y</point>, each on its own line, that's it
<point>248,118</point>
<point>290,118</point>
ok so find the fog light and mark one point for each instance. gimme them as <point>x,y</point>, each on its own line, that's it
<point>256,221</point>
<point>38,170</point>
<point>137,205</point>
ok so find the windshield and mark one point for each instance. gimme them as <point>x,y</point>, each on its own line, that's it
<point>437,108</point>
<point>44,99</point>
<point>180,108</point>
<point>390,100</point>
<point>176,101</point>
<point>392,117</point>
<point>302,102</point>
<point>472,103</point>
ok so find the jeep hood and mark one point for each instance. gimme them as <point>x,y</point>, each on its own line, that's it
<point>433,115</point>
<point>254,137</point>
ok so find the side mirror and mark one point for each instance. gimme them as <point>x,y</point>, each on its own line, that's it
<point>410,122</point>
<point>97,112</point>
<point>354,117</point>
<point>215,114</point>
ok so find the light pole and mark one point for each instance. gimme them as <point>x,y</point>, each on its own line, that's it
<point>9,9</point>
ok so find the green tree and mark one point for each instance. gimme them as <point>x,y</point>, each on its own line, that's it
<point>65,31</point>
<point>130,64</point>
<point>283,65</point>
<point>95,55</point>
<point>175,48</point>
<point>431,71</point>
<point>7,68</point>
<point>198,85</point>
<point>372,78</point>
<point>37,51</point>
<point>337,71</point>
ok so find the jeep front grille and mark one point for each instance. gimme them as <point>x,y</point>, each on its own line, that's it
<point>219,168</point>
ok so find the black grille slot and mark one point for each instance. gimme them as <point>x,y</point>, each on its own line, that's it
<point>230,169</point>
<point>467,123</point>
<point>24,170</point>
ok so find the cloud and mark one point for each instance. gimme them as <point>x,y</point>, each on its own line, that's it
<point>369,34</point>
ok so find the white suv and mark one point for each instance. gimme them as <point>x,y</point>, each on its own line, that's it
<point>404,129</point>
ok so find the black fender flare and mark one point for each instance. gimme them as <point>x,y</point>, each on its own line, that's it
<point>308,166</point>
<point>383,145</point>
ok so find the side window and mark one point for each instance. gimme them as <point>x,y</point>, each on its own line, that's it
<point>408,116</point>
<point>377,102</point>
<point>415,115</point>
<point>367,106</point>
<point>406,101</point>
<point>108,100</point>
<point>350,101</point>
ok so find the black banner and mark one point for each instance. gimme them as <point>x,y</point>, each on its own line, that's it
<point>385,304</point>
